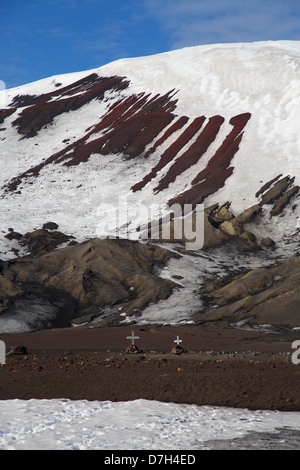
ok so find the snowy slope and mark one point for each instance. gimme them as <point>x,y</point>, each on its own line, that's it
<point>259,78</point>
<point>71,168</point>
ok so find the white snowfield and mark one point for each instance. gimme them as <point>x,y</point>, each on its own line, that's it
<point>133,425</point>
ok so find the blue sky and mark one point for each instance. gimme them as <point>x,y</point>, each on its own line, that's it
<point>41,38</point>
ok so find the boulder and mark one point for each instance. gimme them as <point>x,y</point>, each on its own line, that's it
<point>268,242</point>
<point>177,350</point>
<point>50,226</point>
<point>18,351</point>
<point>232,227</point>
<point>133,349</point>
<point>39,241</point>
<point>12,235</point>
<point>223,213</point>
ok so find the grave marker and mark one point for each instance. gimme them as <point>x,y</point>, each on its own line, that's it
<point>177,340</point>
<point>132,337</point>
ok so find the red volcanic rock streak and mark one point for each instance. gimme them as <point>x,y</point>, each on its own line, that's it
<point>213,177</point>
<point>133,126</point>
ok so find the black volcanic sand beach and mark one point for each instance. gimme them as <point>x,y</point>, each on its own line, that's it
<point>220,366</point>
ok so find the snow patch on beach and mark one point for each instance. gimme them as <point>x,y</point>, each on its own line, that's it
<point>134,425</point>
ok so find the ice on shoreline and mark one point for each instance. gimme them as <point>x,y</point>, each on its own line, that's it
<point>134,425</point>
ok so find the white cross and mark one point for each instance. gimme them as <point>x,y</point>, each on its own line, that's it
<point>177,340</point>
<point>132,337</point>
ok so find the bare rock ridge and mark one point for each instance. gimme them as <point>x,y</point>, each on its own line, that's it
<point>87,277</point>
<point>40,110</point>
<point>40,241</point>
<point>263,296</point>
<point>4,113</point>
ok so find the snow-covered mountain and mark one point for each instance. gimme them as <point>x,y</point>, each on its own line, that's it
<point>205,125</point>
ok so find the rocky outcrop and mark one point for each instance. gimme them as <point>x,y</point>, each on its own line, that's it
<point>262,296</point>
<point>280,194</point>
<point>223,227</point>
<point>4,113</point>
<point>41,240</point>
<point>40,111</point>
<point>216,226</point>
<point>92,275</point>
<point>220,226</point>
